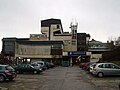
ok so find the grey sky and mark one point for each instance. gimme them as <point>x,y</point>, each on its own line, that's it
<point>99,18</point>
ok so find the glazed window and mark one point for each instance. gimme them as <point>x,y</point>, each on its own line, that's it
<point>58,26</point>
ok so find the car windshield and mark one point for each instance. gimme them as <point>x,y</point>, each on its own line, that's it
<point>41,63</point>
<point>9,68</point>
<point>93,65</point>
<point>32,66</point>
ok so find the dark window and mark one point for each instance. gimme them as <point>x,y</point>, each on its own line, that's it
<point>73,42</point>
<point>100,66</point>
<point>94,65</point>
<point>56,47</point>
<point>0,67</point>
<point>114,66</point>
<point>9,68</point>
<point>107,65</point>
<point>57,26</point>
<point>56,51</point>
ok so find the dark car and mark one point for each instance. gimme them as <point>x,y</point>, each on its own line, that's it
<point>47,64</point>
<point>7,73</point>
<point>51,65</point>
<point>21,68</point>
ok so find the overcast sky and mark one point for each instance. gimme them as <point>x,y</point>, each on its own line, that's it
<point>99,18</point>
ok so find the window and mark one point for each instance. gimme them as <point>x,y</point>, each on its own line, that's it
<point>114,66</point>
<point>57,26</point>
<point>107,65</point>
<point>73,42</point>
<point>9,68</point>
<point>0,67</point>
<point>56,46</point>
<point>94,65</point>
<point>100,66</point>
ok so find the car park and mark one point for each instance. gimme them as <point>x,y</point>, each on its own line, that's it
<point>21,68</point>
<point>105,69</point>
<point>7,73</point>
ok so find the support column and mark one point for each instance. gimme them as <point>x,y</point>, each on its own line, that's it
<point>70,61</point>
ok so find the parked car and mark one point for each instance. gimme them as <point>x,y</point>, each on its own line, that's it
<point>92,66</point>
<point>81,65</point>
<point>42,64</point>
<point>103,69</point>
<point>85,66</point>
<point>88,65</point>
<point>37,65</point>
<point>7,73</point>
<point>48,65</point>
<point>52,65</point>
<point>21,68</point>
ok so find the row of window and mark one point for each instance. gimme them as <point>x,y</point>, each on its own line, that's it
<point>108,66</point>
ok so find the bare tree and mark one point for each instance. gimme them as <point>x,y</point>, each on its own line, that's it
<point>117,42</point>
<point>114,40</point>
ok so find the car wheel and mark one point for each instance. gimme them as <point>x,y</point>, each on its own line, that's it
<point>35,72</point>
<point>38,72</point>
<point>19,72</point>
<point>100,74</point>
<point>2,78</point>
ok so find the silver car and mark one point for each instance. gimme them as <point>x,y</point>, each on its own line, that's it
<point>91,67</point>
<point>102,69</point>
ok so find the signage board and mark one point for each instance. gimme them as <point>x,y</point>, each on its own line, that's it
<point>82,53</point>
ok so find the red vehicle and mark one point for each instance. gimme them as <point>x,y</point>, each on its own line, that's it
<point>81,65</point>
<point>86,66</point>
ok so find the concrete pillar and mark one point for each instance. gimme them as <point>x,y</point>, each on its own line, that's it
<point>70,61</point>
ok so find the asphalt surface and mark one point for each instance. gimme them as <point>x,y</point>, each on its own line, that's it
<point>61,78</point>
<point>66,78</point>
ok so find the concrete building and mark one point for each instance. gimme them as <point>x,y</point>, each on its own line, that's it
<point>95,49</point>
<point>52,28</point>
<point>51,45</point>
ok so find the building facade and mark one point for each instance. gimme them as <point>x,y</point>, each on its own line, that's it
<point>95,49</point>
<point>52,44</point>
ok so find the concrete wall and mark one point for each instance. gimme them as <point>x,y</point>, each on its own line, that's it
<point>45,30</point>
<point>30,51</point>
<point>69,43</point>
<point>95,57</point>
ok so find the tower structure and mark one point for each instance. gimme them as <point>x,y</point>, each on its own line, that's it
<point>73,27</point>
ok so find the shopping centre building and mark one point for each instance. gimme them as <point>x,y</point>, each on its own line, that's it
<point>52,44</point>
